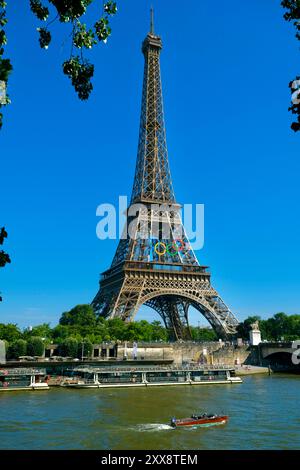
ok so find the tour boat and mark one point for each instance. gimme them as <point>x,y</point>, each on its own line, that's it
<point>23,378</point>
<point>200,420</point>
<point>147,376</point>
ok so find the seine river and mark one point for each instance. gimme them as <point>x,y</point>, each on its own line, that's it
<point>264,414</point>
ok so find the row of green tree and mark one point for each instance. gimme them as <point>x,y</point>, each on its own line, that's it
<point>35,346</point>
<point>79,329</point>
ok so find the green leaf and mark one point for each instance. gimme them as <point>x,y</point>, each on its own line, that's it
<point>70,9</point>
<point>110,7</point>
<point>5,69</point>
<point>3,38</point>
<point>39,10</point>
<point>80,74</point>
<point>83,38</point>
<point>102,29</point>
<point>45,37</point>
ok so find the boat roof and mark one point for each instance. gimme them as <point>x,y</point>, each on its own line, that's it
<point>109,370</point>
<point>22,371</point>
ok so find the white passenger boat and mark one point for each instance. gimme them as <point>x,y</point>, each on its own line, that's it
<point>22,378</point>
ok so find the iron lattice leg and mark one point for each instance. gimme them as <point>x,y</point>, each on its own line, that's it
<point>174,312</point>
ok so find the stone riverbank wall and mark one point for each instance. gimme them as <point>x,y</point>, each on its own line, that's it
<point>201,352</point>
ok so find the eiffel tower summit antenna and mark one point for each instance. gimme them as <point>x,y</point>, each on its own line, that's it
<point>150,267</point>
<point>152,20</point>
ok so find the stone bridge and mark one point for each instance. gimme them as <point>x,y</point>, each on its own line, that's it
<point>279,353</point>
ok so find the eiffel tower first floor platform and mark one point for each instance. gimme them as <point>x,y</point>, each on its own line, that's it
<point>168,289</point>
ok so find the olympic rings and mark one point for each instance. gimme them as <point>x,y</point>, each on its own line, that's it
<point>174,247</point>
<point>166,248</point>
<point>160,253</point>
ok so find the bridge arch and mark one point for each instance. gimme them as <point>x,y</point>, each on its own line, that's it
<point>280,358</point>
<point>163,300</point>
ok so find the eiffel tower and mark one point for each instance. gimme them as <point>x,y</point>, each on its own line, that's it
<point>154,266</point>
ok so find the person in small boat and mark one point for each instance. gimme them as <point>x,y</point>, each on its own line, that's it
<point>204,415</point>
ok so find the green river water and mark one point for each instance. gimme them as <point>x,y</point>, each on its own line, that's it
<point>264,414</point>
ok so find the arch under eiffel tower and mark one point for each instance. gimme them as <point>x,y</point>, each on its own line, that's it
<point>142,270</point>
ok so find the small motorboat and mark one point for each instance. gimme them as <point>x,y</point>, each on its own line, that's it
<point>200,420</point>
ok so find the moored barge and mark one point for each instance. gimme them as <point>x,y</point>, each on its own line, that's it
<point>97,377</point>
<point>23,379</point>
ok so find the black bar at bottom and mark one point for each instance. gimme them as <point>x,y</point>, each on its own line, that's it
<point>136,458</point>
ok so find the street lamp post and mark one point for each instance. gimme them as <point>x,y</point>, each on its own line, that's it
<point>82,351</point>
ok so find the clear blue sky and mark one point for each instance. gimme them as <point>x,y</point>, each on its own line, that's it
<point>225,70</point>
